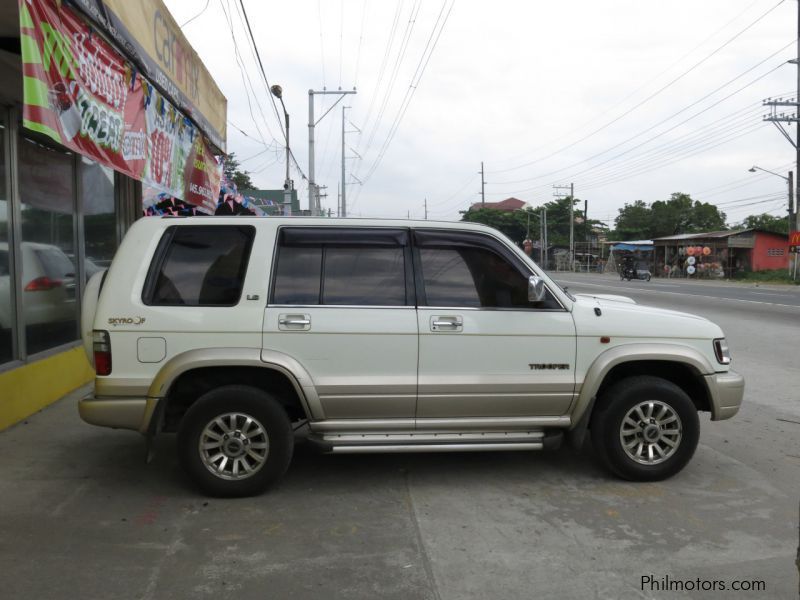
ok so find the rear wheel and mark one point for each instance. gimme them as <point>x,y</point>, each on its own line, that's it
<point>645,428</point>
<point>235,441</point>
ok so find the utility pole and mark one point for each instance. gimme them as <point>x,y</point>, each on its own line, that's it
<point>560,196</point>
<point>344,202</point>
<point>426,209</point>
<point>586,232</point>
<point>541,238</point>
<point>483,188</point>
<point>778,118</point>
<point>313,188</point>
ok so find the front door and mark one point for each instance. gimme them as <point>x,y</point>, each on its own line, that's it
<point>484,349</point>
<point>342,304</point>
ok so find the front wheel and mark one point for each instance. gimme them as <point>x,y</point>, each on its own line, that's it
<point>645,428</point>
<point>235,440</point>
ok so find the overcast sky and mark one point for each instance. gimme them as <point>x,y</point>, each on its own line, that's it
<point>624,98</point>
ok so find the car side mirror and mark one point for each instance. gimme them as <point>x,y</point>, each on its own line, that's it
<point>535,289</point>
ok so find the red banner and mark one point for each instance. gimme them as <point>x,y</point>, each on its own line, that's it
<point>81,92</point>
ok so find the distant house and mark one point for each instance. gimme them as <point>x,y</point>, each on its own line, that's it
<point>507,205</point>
<point>723,252</point>
<point>271,201</point>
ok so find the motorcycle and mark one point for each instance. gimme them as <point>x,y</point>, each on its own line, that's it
<point>629,272</point>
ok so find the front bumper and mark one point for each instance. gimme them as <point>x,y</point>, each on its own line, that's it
<point>726,391</point>
<point>120,412</point>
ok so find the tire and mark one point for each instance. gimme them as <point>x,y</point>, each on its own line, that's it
<point>660,449</point>
<point>263,444</point>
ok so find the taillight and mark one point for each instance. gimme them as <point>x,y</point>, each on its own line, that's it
<point>42,284</point>
<point>102,352</point>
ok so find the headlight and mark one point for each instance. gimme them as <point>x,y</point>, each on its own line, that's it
<point>722,351</point>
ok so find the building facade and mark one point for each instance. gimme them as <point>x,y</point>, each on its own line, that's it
<point>66,198</point>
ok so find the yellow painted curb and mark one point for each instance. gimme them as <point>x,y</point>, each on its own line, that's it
<point>31,387</point>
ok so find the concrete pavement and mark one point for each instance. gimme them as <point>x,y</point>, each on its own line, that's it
<point>84,517</point>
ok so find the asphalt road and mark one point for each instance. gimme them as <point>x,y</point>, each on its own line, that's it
<point>82,516</point>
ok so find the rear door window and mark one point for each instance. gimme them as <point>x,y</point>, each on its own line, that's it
<point>343,266</point>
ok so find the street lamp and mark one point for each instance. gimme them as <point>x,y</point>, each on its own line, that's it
<point>277,91</point>
<point>788,180</point>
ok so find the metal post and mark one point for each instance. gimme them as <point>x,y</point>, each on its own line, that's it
<point>287,186</point>
<point>344,185</point>
<point>312,200</point>
<point>571,227</point>
<point>483,191</point>
<point>313,189</point>
<point>546,252</point>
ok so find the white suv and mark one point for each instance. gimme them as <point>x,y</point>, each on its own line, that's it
<point>383,336</point>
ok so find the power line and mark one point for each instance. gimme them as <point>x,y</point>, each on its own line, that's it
<point>263,73</point>
<point>245,78</point>
<point>583,126</point>
<point>695,115</point>
<point>197,15</point>
<point>395,70</point>
<point>415,81</point>
<point>648,98</point>
<point>360,39</point>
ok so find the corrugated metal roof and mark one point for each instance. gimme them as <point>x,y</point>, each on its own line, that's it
<point>702,236</point>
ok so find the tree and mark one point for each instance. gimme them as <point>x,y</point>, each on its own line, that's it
<point>512,224</point>
<point>515,224</point>
<point>230,168</point>
<point>767,222</point>
<point>679,214</point>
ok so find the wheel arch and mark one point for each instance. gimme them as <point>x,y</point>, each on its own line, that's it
<point>682,365</point>
<point>190,374</point>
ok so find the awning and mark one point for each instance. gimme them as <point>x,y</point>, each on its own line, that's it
<point>632,247</point>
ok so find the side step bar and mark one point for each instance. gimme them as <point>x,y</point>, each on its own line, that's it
<point>393,442</point>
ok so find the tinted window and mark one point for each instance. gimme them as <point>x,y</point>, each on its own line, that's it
<point>341,266</point>
<point>201,265</point>
<point>297,276</point>
<point>364,276</point>
<point>472,277</point>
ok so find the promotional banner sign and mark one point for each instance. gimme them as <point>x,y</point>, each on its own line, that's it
<point>81,92</point>
<point>150,37</point>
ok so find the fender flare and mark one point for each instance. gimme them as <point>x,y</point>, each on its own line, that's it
<point>633,353</point>
<point>234,357</point>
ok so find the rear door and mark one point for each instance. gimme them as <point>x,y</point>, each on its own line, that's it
<point>484,349</point>
<point>342,304</point>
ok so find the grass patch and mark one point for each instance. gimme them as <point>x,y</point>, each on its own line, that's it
<point>772,276</point>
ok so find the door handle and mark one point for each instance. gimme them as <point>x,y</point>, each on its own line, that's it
<point>447,323</point>
<point>444,324</point>
<point>296,322</point>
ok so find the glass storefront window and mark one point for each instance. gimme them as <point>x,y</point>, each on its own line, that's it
<point>6,289</point>
<point>48,248</point>
<point>99,216</point>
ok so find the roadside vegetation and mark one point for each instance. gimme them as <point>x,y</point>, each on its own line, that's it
<point>773,276</point>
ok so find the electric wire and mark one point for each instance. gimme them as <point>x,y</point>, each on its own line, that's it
<point>594,119</point>
<point>395,71</point>
<point>669,118</point>
<point>244,76</point>
<point>648,98</point>
<point>695,115</point>
<point>416,78</point>
<point>185,23</point>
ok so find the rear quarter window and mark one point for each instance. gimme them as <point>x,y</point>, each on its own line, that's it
<point>199,265</point>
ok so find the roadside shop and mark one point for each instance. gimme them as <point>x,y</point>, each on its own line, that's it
<point>98,100</point>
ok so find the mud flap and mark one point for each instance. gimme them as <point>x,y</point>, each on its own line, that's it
<point>156,425</point>
<point>577,434</point>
